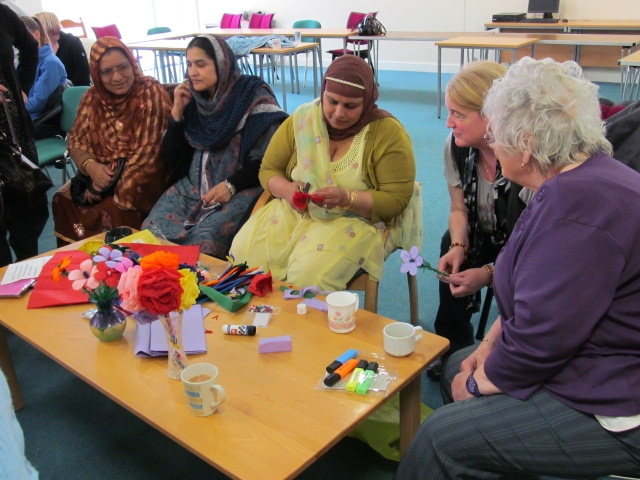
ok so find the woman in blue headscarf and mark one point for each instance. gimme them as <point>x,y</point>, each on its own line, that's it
<point>220,126</point>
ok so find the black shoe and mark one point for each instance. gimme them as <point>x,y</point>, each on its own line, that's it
<point>435,370</point>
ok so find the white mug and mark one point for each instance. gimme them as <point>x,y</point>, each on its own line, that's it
<point>204,395</point>
<point>400,338</point>
<point>342,308</point>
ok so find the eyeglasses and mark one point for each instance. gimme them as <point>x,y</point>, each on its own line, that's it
<point>489,138</point>
<point>121,69</point>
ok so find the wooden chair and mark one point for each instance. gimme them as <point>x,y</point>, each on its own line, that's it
<point>362,281</point>
<point>72,24</point>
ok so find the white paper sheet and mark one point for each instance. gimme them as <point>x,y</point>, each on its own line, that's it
<point>25,269</point>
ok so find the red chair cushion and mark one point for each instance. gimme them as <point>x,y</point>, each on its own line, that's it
<point>107,31</point>
<point>256,20</point>
<point>266,20</point>
<point>226,20</point>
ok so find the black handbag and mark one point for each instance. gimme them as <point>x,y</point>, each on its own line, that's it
<point>370,26</point>
<point>81,183</point>
<point>21,181</point>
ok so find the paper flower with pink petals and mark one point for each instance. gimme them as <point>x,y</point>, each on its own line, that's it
<point>83,277</point>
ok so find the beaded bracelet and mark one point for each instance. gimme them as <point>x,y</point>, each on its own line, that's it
<point>463,246</point>
<point>84,164</point>
<point>458,244</point>
<point>232,189</point>
<point>489,268</point>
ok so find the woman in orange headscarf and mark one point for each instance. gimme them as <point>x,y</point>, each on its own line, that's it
<point>115,142</point>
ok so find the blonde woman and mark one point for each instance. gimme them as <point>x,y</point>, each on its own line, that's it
<point>51,73</point>
<point>68,48</point>
<point>478,220</point>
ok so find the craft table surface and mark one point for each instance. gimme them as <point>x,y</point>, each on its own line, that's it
<point>276,420</point>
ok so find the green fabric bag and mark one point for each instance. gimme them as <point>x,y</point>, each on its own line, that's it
<point>381,431</point>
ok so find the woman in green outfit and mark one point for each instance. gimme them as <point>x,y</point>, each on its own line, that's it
<point>356,163</point>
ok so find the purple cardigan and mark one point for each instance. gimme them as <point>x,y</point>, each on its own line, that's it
<point>568,289</point>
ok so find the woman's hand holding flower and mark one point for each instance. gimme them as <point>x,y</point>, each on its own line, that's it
<point>466,282</point>
<point>451,261</point>
<point>330,197</point>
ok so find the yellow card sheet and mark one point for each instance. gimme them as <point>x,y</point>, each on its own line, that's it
<point>143,236</point>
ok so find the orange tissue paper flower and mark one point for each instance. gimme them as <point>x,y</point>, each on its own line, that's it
<point>57,271</point>
<point>160,259</point>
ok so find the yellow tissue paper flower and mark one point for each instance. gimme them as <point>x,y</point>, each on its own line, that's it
<point>91,247</point>
<point>189,284</point>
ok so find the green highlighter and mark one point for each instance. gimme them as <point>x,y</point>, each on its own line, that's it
<point>356,376</point>
<point>367,377</point>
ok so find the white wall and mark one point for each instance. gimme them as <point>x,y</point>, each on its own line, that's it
<point>134,17</point>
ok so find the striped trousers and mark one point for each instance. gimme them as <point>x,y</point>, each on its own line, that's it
<point>500,437</point>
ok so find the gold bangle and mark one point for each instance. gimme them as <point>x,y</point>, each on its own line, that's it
<point>348,194</point>
<point>353,198</point>
<point>84,164</point>
<point>489,268</point>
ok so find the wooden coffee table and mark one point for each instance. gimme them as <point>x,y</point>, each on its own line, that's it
<point>274,406</point>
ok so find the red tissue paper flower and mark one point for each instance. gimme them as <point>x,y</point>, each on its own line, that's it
<point>160,290</point>
<point>261,284</point>
<point>300,200</point>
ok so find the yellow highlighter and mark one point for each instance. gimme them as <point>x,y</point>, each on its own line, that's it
<point>356,376</point>
<point>368,375</point>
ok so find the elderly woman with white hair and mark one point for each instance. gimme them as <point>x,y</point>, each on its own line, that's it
<point>555,388</point>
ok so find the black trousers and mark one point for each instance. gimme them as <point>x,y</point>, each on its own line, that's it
<point>453,320</point>
<point>21,228</point>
